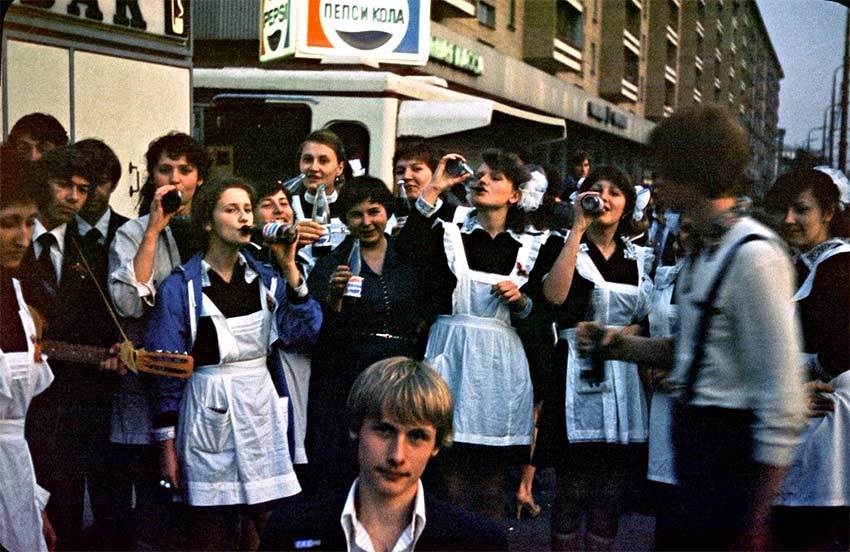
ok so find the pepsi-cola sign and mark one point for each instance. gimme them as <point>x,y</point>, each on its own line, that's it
<point>386,31</point>
<point>276,40</point>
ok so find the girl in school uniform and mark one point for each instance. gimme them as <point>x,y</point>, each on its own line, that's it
<point>473,276</point>
<point>596,413</point>
<point>811,214</point>
<point>224,431</point>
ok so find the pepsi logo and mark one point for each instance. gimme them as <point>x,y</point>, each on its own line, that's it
<point>378,25</point>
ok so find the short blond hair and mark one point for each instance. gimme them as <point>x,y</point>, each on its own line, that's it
<point>407,390</point>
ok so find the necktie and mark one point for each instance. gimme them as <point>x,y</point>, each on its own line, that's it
<point>93,236</point>
<point>46,270</point>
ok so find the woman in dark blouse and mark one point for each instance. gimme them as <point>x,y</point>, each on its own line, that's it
<point>594,413</point>
<point>474,278</point>
<point>811,212</point>
<point>383,322</point>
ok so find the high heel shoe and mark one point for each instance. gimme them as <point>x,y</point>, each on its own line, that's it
<point>530,507</point>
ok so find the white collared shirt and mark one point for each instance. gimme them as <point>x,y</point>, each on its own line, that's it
<point>250,274</point>
<point>357,537</point>
<point>102,225</point>
<point>57,250</point>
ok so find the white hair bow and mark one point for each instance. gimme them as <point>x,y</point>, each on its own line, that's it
<point>532,191</point>
<point>642,200</point>
<point>841,183</point>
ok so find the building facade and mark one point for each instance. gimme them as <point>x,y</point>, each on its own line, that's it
<point>611,69</point>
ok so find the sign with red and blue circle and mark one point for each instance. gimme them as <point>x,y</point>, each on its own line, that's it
<point>384,31</point>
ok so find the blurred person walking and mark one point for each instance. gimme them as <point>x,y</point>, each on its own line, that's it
<point>740,400</point>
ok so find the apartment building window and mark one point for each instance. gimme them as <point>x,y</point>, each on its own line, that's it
<point>570,23</point>
<point>512,15</point>
<point>719,38</point>
<point>698,78</point>
<point>486,14</point>
<point>701,11</point>
<point>633,18</point>
<point>716,95</point>
<point>631,69</point>
<point>673,15</point>
<point>669,94</point>
<point>672,52</point>
<point>716,68</point>
<point>700,45</point>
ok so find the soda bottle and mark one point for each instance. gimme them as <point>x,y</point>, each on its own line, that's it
<point>355,284</point>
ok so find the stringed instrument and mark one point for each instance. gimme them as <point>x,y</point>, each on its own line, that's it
<point>158,363</point>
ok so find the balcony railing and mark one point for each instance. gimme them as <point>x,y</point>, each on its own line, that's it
<point>463,6</point>
<point>672,35</point>
<point>700,29</point>
<point>697,96</point>
<point>670,74</point>
<point>668,110</point>
<point>631,42</point>
<point>698,62</point>
<point>567,54</point>
<point>629,90</point>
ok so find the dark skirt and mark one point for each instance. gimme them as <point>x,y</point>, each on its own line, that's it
<point>552,424</point>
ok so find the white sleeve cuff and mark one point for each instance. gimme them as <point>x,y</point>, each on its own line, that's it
<point>301,289</point>
<point>426,208</point>
<point>164,433</point>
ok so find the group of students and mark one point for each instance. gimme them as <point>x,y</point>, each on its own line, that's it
<point>562,336</point>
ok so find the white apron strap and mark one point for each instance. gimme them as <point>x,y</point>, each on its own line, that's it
<point>455,252</point>
<point>587,268</point>
<point>527,257</point>
<point>456,257</point>
<point>26,317</point>
<point>806,288</point>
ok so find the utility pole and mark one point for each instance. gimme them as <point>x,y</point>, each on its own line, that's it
<point>832,116</point>
<point>842,140</point>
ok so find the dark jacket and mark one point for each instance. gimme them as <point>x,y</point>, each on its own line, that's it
<point>314,525</point>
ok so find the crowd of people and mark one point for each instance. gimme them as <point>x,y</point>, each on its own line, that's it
<point>674,338</point>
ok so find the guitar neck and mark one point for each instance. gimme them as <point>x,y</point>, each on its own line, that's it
<point>74,352</point>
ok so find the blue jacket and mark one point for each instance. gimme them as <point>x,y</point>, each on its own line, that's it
<point>170,324</point>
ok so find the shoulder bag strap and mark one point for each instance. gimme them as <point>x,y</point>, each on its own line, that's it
<point>706,313</point>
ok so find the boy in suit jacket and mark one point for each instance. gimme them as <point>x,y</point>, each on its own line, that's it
<point>400,416</point>
<point>65,422</point>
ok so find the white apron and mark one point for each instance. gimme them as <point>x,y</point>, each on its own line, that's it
<point>614,411</point>
<point>231,435</point>
<point>820,475</point>
<point>479,354</point>
<point>663,322</point>
<point>296,370</point>
<point>21,499</point>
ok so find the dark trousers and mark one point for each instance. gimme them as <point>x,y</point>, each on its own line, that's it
<point>714,466</point>
<point>68,436</point>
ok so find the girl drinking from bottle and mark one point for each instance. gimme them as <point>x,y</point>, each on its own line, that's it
<point>223,431</point>
<point>473,277</point>
<point>594,412</point>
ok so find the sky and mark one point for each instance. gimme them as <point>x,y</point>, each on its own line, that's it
<point>808,36</point>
